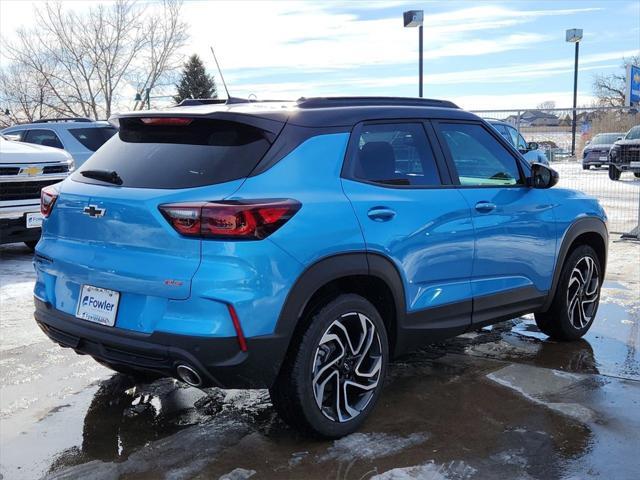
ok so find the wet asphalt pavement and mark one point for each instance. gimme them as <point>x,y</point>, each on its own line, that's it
<point>504,402</point>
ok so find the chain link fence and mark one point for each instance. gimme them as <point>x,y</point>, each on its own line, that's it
<point>552,129</point>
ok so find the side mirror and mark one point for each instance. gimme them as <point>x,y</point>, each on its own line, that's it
<point>533,146</point>
<point>13,136</point>
<point>619,138</point>
<point>587,142</point>
<point>542,176</point>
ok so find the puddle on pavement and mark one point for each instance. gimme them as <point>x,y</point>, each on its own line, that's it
<point>441,412</point>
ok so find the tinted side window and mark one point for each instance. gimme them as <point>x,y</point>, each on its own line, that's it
<point>20,134</point>
<point>504,131</point>
<point>518,139</point>
<point>479,158</point>
<point>43,137</point>
<point>200,152</point>
<point>395,154</point>
<point>92,138</point>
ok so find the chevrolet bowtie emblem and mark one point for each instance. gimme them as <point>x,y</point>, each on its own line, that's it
<point>93,211</point>
<point>31,171</point>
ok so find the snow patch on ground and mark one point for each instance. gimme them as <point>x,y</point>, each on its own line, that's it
<point>370,446</point>
<point>430,471</point>
<point>535,384</point>
<point>238,474</point>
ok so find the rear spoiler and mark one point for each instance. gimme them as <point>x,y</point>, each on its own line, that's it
<point>270,126</point>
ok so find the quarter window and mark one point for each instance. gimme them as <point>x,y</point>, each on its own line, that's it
<point>93,138</point>
<point>43,137</point>
<point>518,140</point>
<point>478,157</point>
<point>395,154</point>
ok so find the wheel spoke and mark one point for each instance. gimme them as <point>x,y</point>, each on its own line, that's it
<point>592,291</point>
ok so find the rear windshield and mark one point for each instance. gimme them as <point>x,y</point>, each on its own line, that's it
<point>93,138</point>
<point>204,152</point>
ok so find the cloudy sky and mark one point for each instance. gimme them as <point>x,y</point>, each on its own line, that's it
<point>479,54</point>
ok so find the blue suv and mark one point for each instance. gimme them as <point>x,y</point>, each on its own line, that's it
<point>299,246</point>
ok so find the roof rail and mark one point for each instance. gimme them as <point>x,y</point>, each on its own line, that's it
<point>64,119</point>
<point>320,102</point>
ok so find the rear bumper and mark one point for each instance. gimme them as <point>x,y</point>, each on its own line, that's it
<point>15,230</point>
<point>218,360</point>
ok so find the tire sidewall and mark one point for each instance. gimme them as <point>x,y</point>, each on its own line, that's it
<point>321,321</point>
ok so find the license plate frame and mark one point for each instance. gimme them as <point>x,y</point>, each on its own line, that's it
<point>98,305</point>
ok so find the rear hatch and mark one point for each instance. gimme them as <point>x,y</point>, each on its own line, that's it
<point>106,229</point>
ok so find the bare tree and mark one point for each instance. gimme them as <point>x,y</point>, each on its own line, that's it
<point>610,89</point>
<point>23,97</point>
<point>86,59</point>
<point>546,105</point>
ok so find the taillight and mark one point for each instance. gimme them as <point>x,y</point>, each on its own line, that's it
<point>48,196</point>
<point>232,220</point>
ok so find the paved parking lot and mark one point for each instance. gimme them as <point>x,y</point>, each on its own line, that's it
<point>503,402</point>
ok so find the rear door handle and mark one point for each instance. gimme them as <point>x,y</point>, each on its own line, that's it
<point>381,214</point>
<point>485,207</point>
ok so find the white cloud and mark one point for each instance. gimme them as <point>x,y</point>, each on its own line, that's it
<point>304,36</point>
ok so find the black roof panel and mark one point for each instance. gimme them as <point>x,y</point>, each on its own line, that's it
<point>318,112</point>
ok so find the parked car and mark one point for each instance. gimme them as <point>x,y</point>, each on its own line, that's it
<point>24,170</point>
<point>529,150</point>
<point>300,246</point>
<point>624,155</point>
<point>596,153</point>
<point>78,136</point>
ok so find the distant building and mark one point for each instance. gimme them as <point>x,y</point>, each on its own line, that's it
<point>534,118</point>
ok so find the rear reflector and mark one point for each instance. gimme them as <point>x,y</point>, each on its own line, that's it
<point>230,220</point>
<point>48,196</point>
<point>242,342</point>
<point>166,121</point>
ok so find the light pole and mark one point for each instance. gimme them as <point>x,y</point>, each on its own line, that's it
<point>414,18</point>
<point>574,35</point>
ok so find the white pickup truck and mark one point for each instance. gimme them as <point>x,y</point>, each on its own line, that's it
<point>24,169</point>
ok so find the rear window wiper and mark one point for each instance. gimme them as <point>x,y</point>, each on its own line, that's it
<point>109,176</point>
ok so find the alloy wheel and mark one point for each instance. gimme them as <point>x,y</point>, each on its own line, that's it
<point>583,292</point>
<point>347,366</point>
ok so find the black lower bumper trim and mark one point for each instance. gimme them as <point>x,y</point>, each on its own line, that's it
<point>219,360</point>
<point>14,230</point>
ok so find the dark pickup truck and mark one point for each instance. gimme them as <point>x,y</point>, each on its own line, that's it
<point>624,155</point>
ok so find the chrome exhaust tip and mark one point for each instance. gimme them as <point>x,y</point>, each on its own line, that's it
<point>188,375</point>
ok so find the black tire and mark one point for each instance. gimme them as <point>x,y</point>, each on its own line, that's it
<point>561,322</point>
<point>139,376</point>
<point>585,167</point>
<point>31,244</point>
<point>614,173</point>
<point>636,174</point>
<point>293,394</point>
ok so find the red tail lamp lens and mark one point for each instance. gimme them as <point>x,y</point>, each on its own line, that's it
<point>246,220</point>
<point>48,197</point>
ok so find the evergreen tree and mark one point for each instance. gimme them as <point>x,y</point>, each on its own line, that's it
<point>195,82</point>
